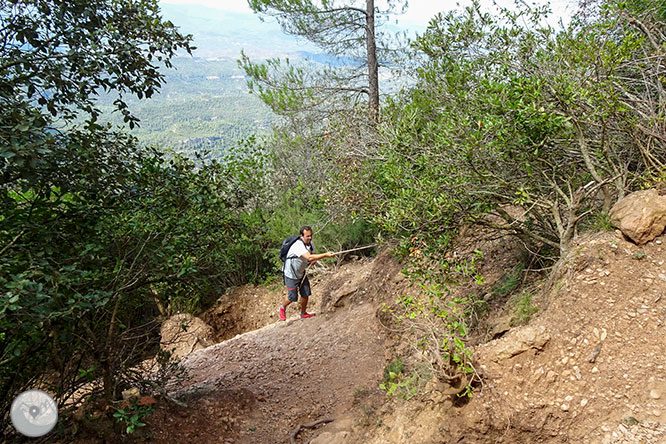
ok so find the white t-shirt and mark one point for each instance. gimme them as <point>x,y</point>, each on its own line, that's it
<point>295,265</point>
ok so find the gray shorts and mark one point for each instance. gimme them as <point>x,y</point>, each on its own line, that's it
<point>295,286</point>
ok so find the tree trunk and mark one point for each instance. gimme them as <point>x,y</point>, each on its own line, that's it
<point>373,67</point>
<point>587,158</point>
<point>108,376</point>
<point>165,312</point>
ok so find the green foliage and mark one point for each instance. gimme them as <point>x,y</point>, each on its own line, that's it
<point>86,269</point>
<point>203,107</point>
<point>397,382</point>
<point>435,319</point>
<point>100,237</point>
<point>653,179</point>
<point>510,123</point>
<point>516,125</point>
<point>524,309</point>
<point>87,375</point>
<point>393,368</point>
<point>57,57</point>
<point>509,282</point>
<point>599,221</point>
<point>341,29</point>
<point>284,94</point>
<point>132,416</point>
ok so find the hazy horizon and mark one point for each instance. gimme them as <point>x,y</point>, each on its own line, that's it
<point>415,18</point>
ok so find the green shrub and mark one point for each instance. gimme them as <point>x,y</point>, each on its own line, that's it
<point>598,221</point>
<point>509,282</point>
<point>393,368</point>
<point>132,416</point>
<point>397,382</point>
<point>524,309</point>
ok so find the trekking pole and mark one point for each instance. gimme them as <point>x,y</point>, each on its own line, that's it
<point>356,249</point>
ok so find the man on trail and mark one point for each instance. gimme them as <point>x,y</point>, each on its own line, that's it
<point>301,254</point>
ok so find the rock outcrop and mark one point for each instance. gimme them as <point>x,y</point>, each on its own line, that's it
<point>183,334</point>
<point>641,216</point>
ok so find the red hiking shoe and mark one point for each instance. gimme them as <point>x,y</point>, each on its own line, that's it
<point>307,315</point>
<point>283,314</point>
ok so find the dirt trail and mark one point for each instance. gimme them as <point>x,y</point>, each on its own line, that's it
<point>594,371</point>
<point>257,387</point>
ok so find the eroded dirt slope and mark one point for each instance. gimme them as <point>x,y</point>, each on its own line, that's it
<point>589,368</point>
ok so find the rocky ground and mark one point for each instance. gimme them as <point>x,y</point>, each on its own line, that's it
<point>588,368</point>
<point>262,384</point>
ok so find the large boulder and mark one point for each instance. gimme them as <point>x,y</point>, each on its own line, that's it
<point>183,334</point>
<point>641,216</point>
<point>515,342</point>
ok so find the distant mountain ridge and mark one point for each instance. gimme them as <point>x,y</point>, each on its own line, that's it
<point>223,34</point>
<point>204,105</point>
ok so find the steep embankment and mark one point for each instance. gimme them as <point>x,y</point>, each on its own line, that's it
<point>603,362</point>
<point>589,368</point>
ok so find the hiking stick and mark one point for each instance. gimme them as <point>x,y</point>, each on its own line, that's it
<point>356,249</point>
<point>339,252</point>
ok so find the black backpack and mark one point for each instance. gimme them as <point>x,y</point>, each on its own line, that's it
<point>286,245</point>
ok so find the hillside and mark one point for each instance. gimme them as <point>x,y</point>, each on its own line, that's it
<point>204,104</point>
<point>588,368</point>
<point>504,122</point>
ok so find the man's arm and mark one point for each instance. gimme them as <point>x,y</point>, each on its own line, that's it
<point>315,257</point>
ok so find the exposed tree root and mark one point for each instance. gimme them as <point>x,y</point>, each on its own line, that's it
<point>309,425</point>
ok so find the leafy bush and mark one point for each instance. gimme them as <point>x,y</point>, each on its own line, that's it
<point>598,221</point>
<point>72,290</point>
<point>436,320</point>
<point>89,270</point>
<point>507,127</point>
<point>132,416</point>
<point>397,383</point>
<point>509,282</point>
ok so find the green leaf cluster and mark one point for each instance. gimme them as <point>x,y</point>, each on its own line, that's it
<point>512,124</point>
<point>132,416</point>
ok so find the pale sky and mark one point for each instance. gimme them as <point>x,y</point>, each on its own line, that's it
<point>418,13</point>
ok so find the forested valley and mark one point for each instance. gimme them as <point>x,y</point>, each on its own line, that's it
<point>123,203</point>
<point>203,107</point>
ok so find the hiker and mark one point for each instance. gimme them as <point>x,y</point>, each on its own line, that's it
<point>301,254</point>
